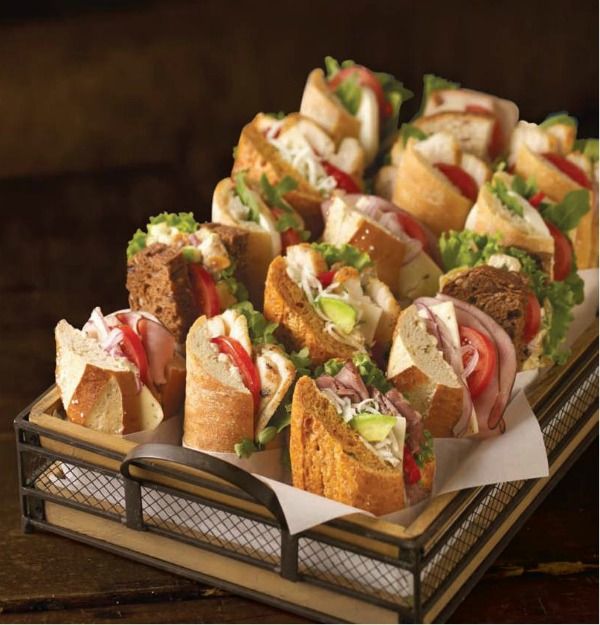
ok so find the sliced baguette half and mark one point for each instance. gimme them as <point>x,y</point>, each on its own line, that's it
<point>329,459</point>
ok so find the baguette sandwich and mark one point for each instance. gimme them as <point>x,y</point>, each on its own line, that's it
<point>402,249</point>
<point>549,155</point>
<point>178,270</point>
<point>534,309</point>
<point>353,101</point>
<point>298,148</point>
<point>435,181</point>
<point>238,378</point>
<point>480,122</point>
<point>120,374</point>
<point>356,440</point>
<point>454,364</point>
<point>270,221</point>
<point>328,299</point>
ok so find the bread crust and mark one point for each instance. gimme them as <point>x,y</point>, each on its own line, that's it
<point>216,415</point>
<point>325,464</point>
<point>425,192</point>
<point>300,326</point>
<point>257,156</point>
<point>321,105</point>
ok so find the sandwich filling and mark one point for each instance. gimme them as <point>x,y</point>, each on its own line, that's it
<point>385,422</point>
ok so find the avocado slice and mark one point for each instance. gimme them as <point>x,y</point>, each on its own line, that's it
<point>373,427</point>
<point>341,313</point>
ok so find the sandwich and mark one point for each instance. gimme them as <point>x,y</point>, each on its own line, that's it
<point>121,374</point>
<point>537,323</point>
<point>353,101</point>
<point>402,249</point>
<point>435,181</point>
<point>454,364</point>
<point>296,147</point>
<point>480,122</point>
<point>355,439</point>
<point>178,270</point>
<point>238,383</point>
<point>550,155</point>
<point>269,220</point>
<point>329,299</point>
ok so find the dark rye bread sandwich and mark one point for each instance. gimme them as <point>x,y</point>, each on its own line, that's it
<point>357,442</point>
<point>179,269</point>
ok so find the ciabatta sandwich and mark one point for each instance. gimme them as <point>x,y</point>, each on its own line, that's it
<point>298,148</point>
<point>270,221</point>
<point>238,378</point>
<point>454,364</point>
<point>178,270</point>
<point>401,248</point>
<point>120,374</point>
<point>482,123</point>
<point>436,182</point>
<point>353,101</point>
<point>356,440</point>
<point>329,299</point>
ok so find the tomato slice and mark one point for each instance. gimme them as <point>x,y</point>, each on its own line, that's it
<point>537,199</point>
<point>563,253</point>
<point>205,290</point>
<point>243,362</point>
<point>342,179</point>
<point>132,347</point>
<point>413,228</point>
<point>568,168</point>
<point>412,473</point>
<point>486,366</point>
<point>533,317</point>
<point>289,236</point>
<point>326,278</point>
<point>366,78</point>
<point>461,179</point>
<point>495,146</point>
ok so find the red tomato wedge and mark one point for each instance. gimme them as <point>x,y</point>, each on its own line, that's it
<point>487,364</point>
<point>205,291</point>
<point>533,317</point>
<point>461,179</point>
<point>326,278</point>
<point>289,236</point>
<point>366,78</point>
<point>413,228</point>
<point>537,199</point>
<point>495,146</point>
<point>134,351</point>
<point>243,362</point>
<point>412,473</point>
<point>342,179</point>
<point>563,253</point>
<point>569,169</point>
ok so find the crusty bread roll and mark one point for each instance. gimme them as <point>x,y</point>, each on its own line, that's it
<point>99,391</point>
<point>585,236</point>
<point>299,325</point>
<point>219,409</point>
<point>425,192</point>
<point>329,459</point>
<point>322,106</point>
<point>417,368</point>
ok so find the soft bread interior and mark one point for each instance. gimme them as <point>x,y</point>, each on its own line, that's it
<point>440,147</point>
<point>533,137</point>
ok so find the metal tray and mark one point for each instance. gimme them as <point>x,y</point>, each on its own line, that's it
<point>197,516</point>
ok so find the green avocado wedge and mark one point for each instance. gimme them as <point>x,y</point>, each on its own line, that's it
<point>373,427</point>
<point>342,314</point>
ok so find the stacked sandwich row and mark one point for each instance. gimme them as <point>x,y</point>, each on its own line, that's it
<point>361,289</point>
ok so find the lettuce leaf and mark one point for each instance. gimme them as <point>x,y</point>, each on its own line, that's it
<point>500,190</point>
<point>425,453</point>
<point>247,197</point>
<point>301,360</point>
<point>261,331</point>
<point>273,194</point>
<point>432,83</point>
<point>236,288</point>
<point>562,117</point>
<point>184,222</point>
<point>346,254</point>
<point>525,188</point>
<point>588,147</point>
<point>370,373</point>
<point>566,215</point>
<point>467,248</point>
<point>409,130</point>
<point>349,90</point>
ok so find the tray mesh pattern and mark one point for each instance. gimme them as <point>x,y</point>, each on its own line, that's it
<point>208,525</point>
<point>360,573</point>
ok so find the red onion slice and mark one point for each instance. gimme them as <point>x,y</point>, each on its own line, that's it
<point>471,355</point>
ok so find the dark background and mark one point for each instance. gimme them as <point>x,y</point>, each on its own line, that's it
<point>114,111</point>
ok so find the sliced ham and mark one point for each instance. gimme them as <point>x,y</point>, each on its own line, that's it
<point>350,377</point>
<point>159,345</point>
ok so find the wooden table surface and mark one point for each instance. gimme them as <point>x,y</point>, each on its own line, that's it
<point>60,262</point>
